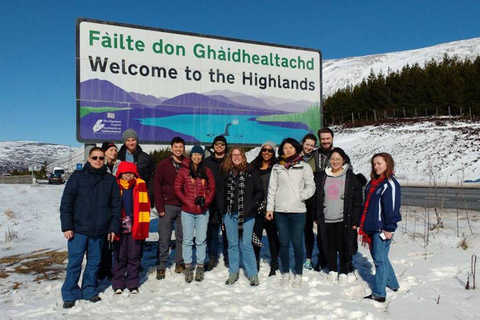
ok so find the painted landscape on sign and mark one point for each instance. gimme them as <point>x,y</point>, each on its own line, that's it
<point>105,110</point>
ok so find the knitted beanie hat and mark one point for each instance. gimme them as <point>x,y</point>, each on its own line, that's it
<point>129,133</point>
<point>197,149</point>
<point>107,145</point>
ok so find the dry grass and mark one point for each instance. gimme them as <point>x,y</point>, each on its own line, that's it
<point>46,265</point>
<point>10,214</point>
<point>10,235</point>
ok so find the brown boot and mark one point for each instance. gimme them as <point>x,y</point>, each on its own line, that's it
<point>179,268</point>
<point>160,274</point>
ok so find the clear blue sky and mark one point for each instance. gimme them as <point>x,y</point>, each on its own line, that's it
<point>37,56</point>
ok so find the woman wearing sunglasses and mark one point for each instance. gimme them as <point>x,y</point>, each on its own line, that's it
<point>263,163</point>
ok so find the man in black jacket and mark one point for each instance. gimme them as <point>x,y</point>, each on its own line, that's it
<point>90,208</point>
<point>220,149</point>
<point>132,152</point>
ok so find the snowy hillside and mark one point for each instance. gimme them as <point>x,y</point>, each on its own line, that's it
<point>21,154</point>
<point>340,73</point>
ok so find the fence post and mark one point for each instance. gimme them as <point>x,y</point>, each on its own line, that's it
<point>404,114</point>
<point>375,115</point>
<point>353,119</point>
<point>449,114</point>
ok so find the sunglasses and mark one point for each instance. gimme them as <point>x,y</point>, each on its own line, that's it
<point>219,144</point>
<point>267,150</point>
<point>98,158</point>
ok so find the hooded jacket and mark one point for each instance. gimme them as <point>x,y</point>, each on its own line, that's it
<point>141,202</point>
<point>288,189</point>
<point>91,203</point>
<point>352,207</point>
<point>383,212</point>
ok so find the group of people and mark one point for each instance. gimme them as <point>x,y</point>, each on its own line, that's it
<point>106,206</point>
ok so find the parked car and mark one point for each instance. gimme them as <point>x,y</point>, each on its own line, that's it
<point>56,178</point>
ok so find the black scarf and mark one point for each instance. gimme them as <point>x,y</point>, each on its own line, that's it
<point>231,186</point>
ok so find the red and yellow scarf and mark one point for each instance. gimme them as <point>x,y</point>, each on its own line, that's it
<point>141,207</point>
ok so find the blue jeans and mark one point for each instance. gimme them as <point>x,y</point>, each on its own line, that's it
<point>199,223</point>
<point>291,228</point>
<point>234,243</point>
<point>77,247</point>
<point>384,273</point>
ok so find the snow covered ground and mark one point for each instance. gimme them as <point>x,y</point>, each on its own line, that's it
<point>432,276</point>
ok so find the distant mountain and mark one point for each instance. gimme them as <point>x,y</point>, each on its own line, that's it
<point>21,154</point>
<point>197,100</point>
<point>147,99</point>
<point>103,90</point>
<point>263,101</point>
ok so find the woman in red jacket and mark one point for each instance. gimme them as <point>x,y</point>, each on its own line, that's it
<point>195,188</point>
<point>134,229</point>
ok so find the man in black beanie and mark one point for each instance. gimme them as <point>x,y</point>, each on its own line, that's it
<point>220,149</point>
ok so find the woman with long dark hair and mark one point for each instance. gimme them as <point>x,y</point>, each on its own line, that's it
<point>239,193</point>
<point>263,163</point>
<point>291,184</point>
<point>381,213</point>
<point>195,188</point>
<point>338,207</point>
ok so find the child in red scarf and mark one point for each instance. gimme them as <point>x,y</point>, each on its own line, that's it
<point>134,229</point>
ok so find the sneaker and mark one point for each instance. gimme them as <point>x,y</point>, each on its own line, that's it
<point>254,281</point>
<point>308,264</point>
<point>284,279</point>
<point>212,263</point>
<point>375,298</point>
<point>232,278</point>
<point>188,274</point>
<point>297,281</point>
<point>161,274</point>
<point>333,276</point>
<point>118,291</point>
<point>343,279</point>
<point>95,299</point>
<point>68,304</point>
<point>133,290</point>
<point>199,273</point>
<point>179,268</point>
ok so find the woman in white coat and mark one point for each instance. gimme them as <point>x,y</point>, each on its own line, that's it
<point>291,183</point>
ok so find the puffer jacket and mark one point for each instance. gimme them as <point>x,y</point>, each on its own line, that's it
<point>288,189</point>
<point>187,190</point>
<point>91,203</point>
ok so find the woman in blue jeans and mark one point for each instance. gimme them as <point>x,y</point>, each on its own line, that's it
<point>195,188</point>
<point>239,193</point>
<point>381,213</point>
<point>291,184</point>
